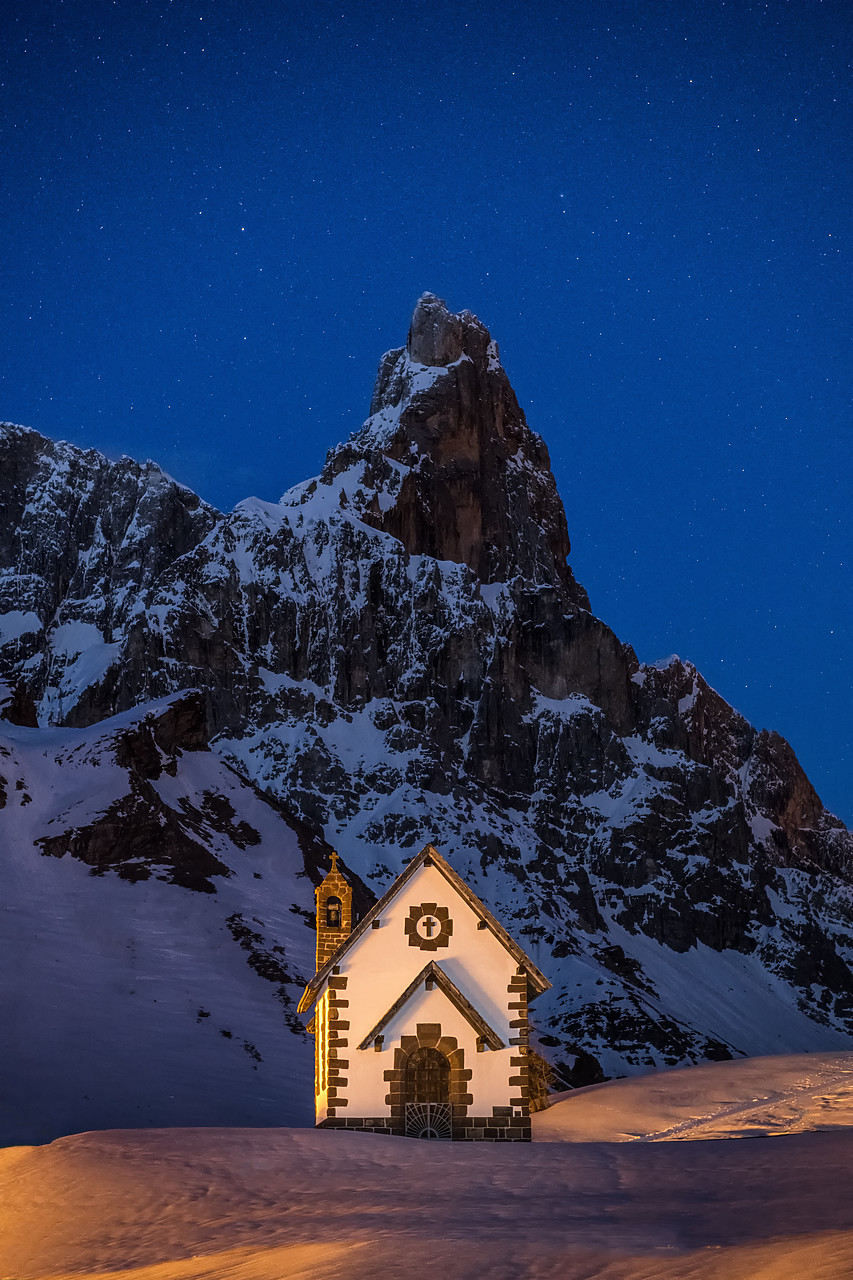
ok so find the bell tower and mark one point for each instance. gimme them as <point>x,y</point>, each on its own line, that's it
<point>334,913</point>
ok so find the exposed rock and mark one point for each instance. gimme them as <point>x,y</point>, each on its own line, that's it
<point>82,539</point>
<point>17,706</point>
<point>435,336</point>
<point>475,483</point>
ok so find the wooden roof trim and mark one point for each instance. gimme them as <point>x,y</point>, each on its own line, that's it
<point>450,989</point>
<point>536,979</point>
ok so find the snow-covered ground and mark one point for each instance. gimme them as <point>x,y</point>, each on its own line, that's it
<point>264,1204</point>
<point>747,1098</point>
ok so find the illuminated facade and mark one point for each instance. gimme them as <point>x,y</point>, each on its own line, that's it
<point>420,1011</point>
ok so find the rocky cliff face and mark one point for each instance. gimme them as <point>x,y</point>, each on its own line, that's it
<point>398,651</point>
<point>82,540</point>
<point>473,483</point>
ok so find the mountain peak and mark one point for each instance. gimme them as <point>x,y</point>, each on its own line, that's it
<point>438,337</point>
<point>472,481</point>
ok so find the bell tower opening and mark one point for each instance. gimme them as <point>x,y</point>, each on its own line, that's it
<point>334,913</point>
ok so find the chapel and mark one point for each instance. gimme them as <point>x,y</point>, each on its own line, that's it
<point>419,1012</point>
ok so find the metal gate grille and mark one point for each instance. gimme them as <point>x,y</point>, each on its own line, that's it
<point>429,1120</point>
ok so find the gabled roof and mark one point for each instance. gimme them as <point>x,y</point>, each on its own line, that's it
<point>434,972</point>
<point>428,856</point>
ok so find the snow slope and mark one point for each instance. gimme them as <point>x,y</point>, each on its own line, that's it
<point>747,1098</point>
<point>128,997</point>
<point>263,1204</point>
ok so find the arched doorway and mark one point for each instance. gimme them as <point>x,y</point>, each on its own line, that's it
<point>427,1095</point>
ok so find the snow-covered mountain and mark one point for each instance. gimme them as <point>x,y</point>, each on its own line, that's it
<point>398,652</point>
<point>153,940</point>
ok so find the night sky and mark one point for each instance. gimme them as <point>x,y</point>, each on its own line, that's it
<point>217,216</point>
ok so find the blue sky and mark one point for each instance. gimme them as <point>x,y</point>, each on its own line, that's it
<point>217,216</point>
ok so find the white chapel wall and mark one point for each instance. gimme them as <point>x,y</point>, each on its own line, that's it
<point>380,966</point>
